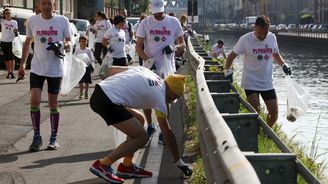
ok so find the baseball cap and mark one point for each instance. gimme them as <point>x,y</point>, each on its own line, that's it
<point>176,83</point>
<point>157,6</point>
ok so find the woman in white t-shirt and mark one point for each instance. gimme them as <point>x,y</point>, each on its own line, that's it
<point>102,25</point>
<point>9,29</point>
<point>116,38</point>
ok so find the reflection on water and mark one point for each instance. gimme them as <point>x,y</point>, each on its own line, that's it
<point>310,69</point>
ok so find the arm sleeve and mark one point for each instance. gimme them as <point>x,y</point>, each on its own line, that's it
<point>141,30</point>
<point>239,47</point>
<point>67,33</point>
<point>275,47</point>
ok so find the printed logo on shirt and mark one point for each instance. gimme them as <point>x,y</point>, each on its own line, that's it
<point>152,82</point>
<point>265,50</point>
<point>161,32</point>
<point>259,57</point>
<point>9,26</point>
<point>157,38</point>
<point>43,34</point>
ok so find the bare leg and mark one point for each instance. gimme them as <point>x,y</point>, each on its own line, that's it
<point>272,107</point>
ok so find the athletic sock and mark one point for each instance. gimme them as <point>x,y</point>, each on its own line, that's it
<point>35,117</point>
<point>54,120</point>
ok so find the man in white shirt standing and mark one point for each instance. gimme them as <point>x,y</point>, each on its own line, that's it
<point>260,49</point>
<point>50,33</point>
<point>158,33</point>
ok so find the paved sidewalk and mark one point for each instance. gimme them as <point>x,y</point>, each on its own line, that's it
<point>83,136</point>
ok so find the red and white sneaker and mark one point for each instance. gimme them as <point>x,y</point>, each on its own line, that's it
<point>105,172</point>
<point>133,171</point>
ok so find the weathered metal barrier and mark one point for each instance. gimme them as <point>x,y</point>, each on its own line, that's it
<point>229,139</point>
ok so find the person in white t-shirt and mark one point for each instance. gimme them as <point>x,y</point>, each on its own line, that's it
<point>159,35</point>
<point>89,61</point>
<point>217,50</point>
<point>9,29</point>
<point>102,25</point>
<point>260,49</point>
<point>116,38</point>
<point>116,99</point>
<point>51,34</point>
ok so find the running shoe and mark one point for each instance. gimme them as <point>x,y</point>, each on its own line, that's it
<point>86,96</point>
<point>133,171</point>
<point>161,139</point>
<point>36,144</point>
<point>53,144</point>
<point>186,169</point>
<point>151,129</point>
<point>105,172</point>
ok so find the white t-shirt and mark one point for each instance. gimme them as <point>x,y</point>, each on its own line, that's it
<point>45,62</point>
<point>257,64</point>
<point>116,41</point>
<point>137,88</point>
<point>88,51</point>
<point>7,29</point>
<point>159,34</point>
<point>217,50</point>
<point>101,27</point>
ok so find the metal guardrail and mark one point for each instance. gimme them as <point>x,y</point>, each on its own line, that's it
<point>229,140</point>
<point>223,160</point>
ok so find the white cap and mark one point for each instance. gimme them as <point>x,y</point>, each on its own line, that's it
<point>157,6</point>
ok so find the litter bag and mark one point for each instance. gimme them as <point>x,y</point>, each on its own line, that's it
<point>166,67</point>
<point>298,98</point>
<point>107,62</point>
<point>74,70</point>
<point>91,40</point>
<point>17,47</point>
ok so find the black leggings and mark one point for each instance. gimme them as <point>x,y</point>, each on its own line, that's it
<point>100,49</point>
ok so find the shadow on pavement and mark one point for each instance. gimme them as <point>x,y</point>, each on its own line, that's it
<point>67,159</point>
<point>7,158</point>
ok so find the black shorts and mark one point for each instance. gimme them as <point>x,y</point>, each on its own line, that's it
<point>120,62</point>
<point>87,76</point>
<point>110,112</point>
<point>7,49</point>
<point>37,81</point>
<point>266,95</point>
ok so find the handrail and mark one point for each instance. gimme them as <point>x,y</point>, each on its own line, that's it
<point>224,160</point>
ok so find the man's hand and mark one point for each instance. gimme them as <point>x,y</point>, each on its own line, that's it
<point>169,49</point>
<point>56,48</point>
<point>286,69</point>
<point>110,50</point>
<point>228,74</point>
<point>21,73</point>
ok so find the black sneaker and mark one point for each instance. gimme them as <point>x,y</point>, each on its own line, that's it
<point>36,144</point>
<point>186,169</point>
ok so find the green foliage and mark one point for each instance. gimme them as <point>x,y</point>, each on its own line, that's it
<point>306,19</point>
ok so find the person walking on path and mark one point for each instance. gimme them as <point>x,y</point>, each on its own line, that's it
<point>156,36</point>
<point>115,39</point>
<point>260,49</point>
<point>102,25</point>
<point>116,99</point>
<point>217,50</point>
<point>9,29</point>
<point>50,33</point>
<point>86,79</point>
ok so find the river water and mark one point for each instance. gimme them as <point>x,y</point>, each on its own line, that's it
<point>310,69</point>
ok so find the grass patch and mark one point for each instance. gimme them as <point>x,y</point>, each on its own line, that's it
<point>192,147</point>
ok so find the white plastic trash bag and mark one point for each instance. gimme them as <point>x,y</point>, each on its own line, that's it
<point>132,51</point>
<point>74,69</point>
<point>83,57</point>
<point>166,67</point>
<point>91,40</point>
<point>106,63</point>
<point>17,47</point>
<point>298,98</point>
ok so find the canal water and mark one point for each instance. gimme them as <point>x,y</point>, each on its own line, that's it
<point>310,69</point>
